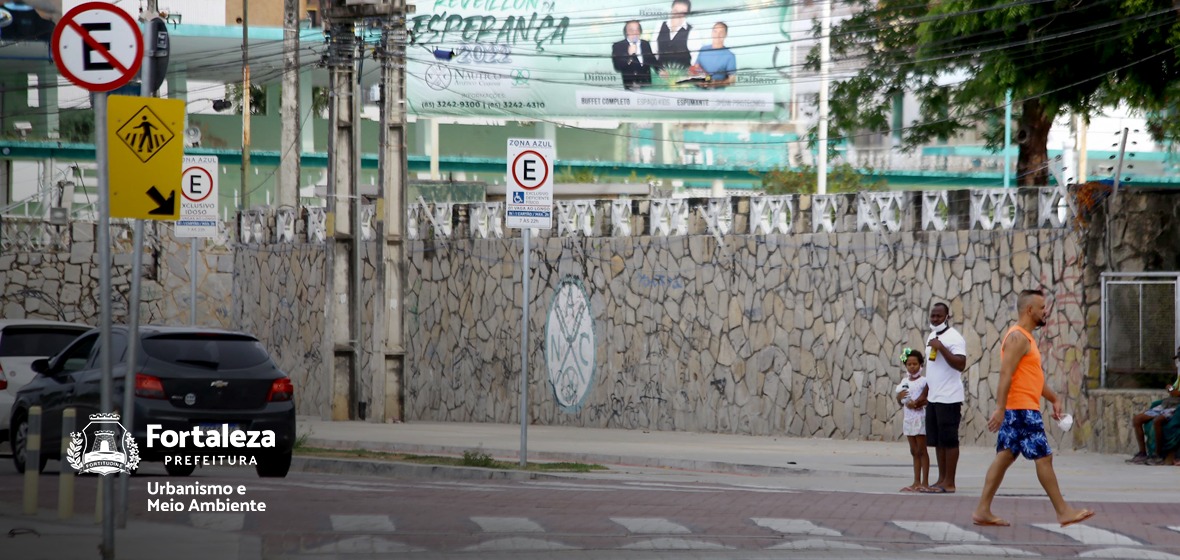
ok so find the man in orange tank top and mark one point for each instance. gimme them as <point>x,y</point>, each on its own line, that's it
<point>1018,415</point>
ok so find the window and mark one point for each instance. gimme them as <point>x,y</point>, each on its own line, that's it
<point>213,351</point>
<point>1139,329</point>
<point>77,355</point>
<point>36,341</point>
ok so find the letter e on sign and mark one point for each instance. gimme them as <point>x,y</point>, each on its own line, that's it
<point>197,184</point>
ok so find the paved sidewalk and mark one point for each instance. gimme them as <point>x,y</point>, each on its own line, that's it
<point>818,464</point>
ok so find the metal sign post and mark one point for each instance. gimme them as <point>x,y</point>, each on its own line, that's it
<point>529,205</point>
<point>98,47</point>
<point>198,213</point>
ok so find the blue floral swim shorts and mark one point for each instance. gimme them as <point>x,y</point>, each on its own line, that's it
<point>1023,433</point>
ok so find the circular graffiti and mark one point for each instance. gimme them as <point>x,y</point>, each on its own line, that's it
<point>569,345</point>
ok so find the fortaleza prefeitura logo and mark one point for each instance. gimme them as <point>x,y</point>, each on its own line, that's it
<point>103,447</point>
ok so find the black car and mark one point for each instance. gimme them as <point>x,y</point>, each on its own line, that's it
<point>187,380</point>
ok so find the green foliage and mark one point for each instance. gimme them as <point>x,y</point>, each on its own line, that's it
<point>476,458</point>
<point>257,98</point>
<point>77,126</point>
<point>803,179</point>
<point>958,58</point>
<point>579,176</point>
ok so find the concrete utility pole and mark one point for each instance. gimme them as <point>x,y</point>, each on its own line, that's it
<point>365,336</point>
<point>290,112</point>
<point>825,62</point>
<point>392,177</point>
<point>244,201</point>
<point>341,61</point>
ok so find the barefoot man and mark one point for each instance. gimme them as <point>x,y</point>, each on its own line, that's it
<point>1018,415</point>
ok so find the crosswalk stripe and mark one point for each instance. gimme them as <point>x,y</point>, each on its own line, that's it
<point>1175,528</point>
<point>941,531</point>
<point>364,544</point>
<point>676,544</point>
<point>518,543</point>
<point>650,525</point>
<point>218,521</point>
<point>362,523</point>
<point>1129,554</point>
<point>819,544</point>
<point>979,550</point>
<point>507,525</point>
<point>1091,536</point>
<point>794,527</point>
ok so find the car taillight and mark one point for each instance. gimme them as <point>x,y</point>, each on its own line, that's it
<point>281,390</point>
<point>3,379</point>
<point>148,386</point>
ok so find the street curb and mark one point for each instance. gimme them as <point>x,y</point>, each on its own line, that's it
<point>395,469</point>
<point>716,467</point>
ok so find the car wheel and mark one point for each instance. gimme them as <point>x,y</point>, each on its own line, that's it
<point>274,465</point>
<point>179,470</point>
<point>20,444</point>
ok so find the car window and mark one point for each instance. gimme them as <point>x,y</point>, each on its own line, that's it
<point>36,341</point>
<point>213,351</point>
<point>118,350</point>
<point>77,355</point>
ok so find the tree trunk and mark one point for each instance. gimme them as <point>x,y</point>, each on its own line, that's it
<point>1032,164</point>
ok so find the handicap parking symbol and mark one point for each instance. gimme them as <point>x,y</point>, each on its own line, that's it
<point>518,198</point>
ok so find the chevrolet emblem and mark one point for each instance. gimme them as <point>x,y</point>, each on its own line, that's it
<point>219,384</point>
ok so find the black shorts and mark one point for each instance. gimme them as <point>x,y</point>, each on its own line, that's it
<point>942,424</point>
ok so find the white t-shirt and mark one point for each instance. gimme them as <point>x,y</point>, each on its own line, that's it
<point>946,382</point>
<point>913,388</point>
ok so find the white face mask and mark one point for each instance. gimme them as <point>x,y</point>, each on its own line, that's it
<point>934,327</point>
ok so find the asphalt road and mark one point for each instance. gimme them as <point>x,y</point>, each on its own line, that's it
<point>653,514</point>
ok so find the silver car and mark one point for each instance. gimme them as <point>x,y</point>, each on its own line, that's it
<point>21,342</point>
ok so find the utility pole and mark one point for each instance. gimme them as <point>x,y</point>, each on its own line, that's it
<point>359,337</point>
<point>245,194</point>
<point>392,178</point>
<point>825,61</point>
<point>343,158</point>
<point>291,152</point>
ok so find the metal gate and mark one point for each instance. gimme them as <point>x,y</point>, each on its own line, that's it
<point>1139,329</point>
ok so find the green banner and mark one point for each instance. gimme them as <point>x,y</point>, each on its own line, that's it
<point>611,59</point>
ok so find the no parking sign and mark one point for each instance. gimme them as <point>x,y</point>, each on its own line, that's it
<point>530,183</point>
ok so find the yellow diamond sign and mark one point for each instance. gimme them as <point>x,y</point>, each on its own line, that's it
<point>145,156</point>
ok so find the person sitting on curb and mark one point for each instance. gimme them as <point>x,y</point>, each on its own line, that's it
<point>1160,416</point>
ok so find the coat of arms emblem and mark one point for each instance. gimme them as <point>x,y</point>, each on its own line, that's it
<point>103,447</point>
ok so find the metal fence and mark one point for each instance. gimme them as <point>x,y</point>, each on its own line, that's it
<point>1139,329</point>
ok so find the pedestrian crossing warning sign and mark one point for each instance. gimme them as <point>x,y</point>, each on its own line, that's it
<point>146,134</point>
<point>144,156</point>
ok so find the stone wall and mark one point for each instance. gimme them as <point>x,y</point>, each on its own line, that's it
<point>281,292</point>
<point>715,319</point>
<point>53,273</point>
<point>777,334</point>
<point>792,333</point>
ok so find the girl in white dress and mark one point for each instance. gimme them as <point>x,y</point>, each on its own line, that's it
<point>911,395</point>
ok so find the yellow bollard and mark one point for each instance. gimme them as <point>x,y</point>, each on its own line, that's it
<point>32,460</point>
<point>65,486</point>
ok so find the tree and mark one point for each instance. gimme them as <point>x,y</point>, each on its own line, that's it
<point>842,178</point>
<point>257,98</point>
<point>959,58</point>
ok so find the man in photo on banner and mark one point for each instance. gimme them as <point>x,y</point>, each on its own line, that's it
<point>676,45</point>
<point>717,61</point>
<point>633,57</point>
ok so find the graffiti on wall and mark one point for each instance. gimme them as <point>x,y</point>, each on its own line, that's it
<point>569,345</point>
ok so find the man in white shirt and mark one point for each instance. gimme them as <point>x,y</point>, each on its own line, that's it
<point>946,353</point>
<point>676,43</point>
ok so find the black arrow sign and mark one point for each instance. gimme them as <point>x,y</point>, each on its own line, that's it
<point>166,206</point>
